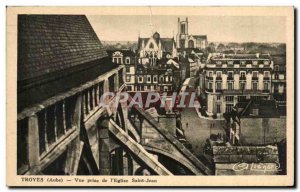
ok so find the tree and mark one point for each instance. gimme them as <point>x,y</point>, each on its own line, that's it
<point>221,47</point>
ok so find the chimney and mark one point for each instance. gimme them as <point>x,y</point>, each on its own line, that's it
<point>257,55</point>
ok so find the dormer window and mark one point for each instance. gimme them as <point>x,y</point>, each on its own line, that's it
<point>255,62</point>
<point>266,62</point>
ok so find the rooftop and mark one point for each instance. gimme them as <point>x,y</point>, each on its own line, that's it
<point>51,43</point>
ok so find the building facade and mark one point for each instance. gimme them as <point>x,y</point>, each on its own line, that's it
<point>128,59</point>
<point>185,40</point>
<point>154,48</point>
<point>232,78</point>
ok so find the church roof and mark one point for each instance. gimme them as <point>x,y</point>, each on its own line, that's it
<point>166,43</point>
<point>51,43</point>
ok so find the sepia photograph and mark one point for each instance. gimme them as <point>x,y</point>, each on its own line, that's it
<point>148,97</point>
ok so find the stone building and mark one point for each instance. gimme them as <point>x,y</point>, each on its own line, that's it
<point>129,59</point>
<point>186,40</point>
<point>233,78</point>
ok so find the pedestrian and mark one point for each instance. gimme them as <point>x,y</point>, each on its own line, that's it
<point>187,124</point>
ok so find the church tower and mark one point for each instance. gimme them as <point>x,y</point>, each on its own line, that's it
<point>182,33</point>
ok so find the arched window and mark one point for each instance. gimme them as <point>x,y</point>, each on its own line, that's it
<point>151,46</point>
<point>191,44</point>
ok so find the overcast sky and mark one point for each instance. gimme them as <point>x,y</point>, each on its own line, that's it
<point>217,28</point>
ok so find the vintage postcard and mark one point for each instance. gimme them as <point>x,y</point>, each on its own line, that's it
<point>150,96</point>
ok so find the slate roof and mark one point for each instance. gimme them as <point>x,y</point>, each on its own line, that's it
<point>51,43</point>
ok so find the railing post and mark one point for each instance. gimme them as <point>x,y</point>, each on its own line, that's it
<point>75,147</point>
<point>104,143</point>
<point>33,141</point>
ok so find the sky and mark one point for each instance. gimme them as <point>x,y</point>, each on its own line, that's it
<point>217,28</point>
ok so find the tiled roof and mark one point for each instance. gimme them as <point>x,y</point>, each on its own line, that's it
<point>51,43</point>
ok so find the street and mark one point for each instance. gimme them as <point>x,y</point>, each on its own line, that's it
<point>197,130</point>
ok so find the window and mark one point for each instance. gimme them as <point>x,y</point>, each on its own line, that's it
<point>242,98</point>
<point>210,74</point>
<point>140,79</point>
<point>115,60</point>
<point>149,79</point>
<point>127,61</point>
<point>218,86</point>
<point>266,74</point>
<point>127,69</point>
<point>209,85</point>
<point>218,98</point>
<point>218,108</point>
<point>154,79</point>
<point>243,75</point>
<point>276,67</point>
<point>242,85</point>
<point>119,61</point>
<point>127,78</point>
<point>230,74</point>
<point>254,86</point>
<point>219,73</point>
<point>254,74</point>
<point>230,86</point>
<point>182,28</point>
<point>229,98</point>
<point>276,76</point>
<point>229,108</point>
<point>266,86</point>
<point>151,46</point>
<point>161,79</point>
<point>129,88</point>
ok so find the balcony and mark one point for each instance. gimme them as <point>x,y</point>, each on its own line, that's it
<point>243,78</point>
<point>254,78</point>
<point>266,78</point>
<point>209,78</point>
<point>219,90</point>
